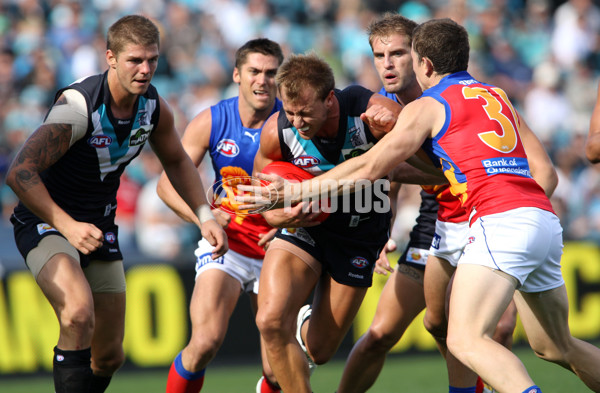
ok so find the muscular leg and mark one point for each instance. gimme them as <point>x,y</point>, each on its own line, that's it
<point>545,319</point>
<point>286,281</point>
<point>459,375</point>
<point>107,342</point>
<point>333,310</point>
<point>401,301</point>
<point>214,298</point>
<point>505,329</point>
<point>267,371</point>
<point>438,273</point>
<point>479,298</point>
<point>506,326</point>
<point>438,277</point>
<point>63,283</point>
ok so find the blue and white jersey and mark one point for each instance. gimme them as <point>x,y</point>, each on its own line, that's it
<point>232,144</point>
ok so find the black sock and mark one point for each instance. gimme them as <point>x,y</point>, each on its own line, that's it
<point>99,383</point>
<point>72,372</point>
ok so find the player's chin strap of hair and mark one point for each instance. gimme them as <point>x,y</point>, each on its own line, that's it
<point>204,213</point>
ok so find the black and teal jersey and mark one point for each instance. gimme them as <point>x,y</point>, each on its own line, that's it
<point>356,215</point>
<point>85,180</point>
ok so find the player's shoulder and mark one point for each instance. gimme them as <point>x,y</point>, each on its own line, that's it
<point>272,124</point>
<point>200,122</point>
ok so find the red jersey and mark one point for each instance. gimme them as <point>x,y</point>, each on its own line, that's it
<point>480,150</point>
<point>450,208</point>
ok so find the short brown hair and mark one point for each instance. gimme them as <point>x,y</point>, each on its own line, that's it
<point>264,46</point>
<point>445,43</point>
<point>136,29</point>
<point>391,23</point>
<point>298,71</point>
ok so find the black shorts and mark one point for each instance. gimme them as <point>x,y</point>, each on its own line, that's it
<point>30,230</point>
<point>348,261</point>
<point>421,234</point>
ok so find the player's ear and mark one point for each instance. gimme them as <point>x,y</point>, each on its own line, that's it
<point>236,75</point>
<point>429,66</point>
<point>329,99</point>
<point>111,58</point>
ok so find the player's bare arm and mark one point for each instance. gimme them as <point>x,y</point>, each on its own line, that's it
<point>540,164</point>
<point>45,146</point>
<point>410,173</point>
<point>269,149</point>
<point>381,115</point>
<point>41,150</point>
<point>176,163</point>
<point>592,145</point>
<point>416,122</point>
<point>195,141</point>
<point>414,125</point>
<point>184,177</point>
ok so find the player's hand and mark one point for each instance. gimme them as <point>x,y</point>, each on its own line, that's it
<point>223,218</point>
<point>382,265</point>
<point>265,238</point>
<point>213,232</point>
<point>379,118</point>
<point>268,192</point>
<point>84,236</point>
<point>304,214</point>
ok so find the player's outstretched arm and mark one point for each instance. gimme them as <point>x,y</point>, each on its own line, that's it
<point>195,142</point>
<point>185,179</point>
<point>416,122</point>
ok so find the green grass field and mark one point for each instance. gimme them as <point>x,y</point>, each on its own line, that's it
<point>422,373</point>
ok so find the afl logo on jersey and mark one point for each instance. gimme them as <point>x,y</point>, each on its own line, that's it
<point>228,148</point>
<point>100,141</point>
<point>110,237</point>
<point>306,161</point>
<point>359,262</point>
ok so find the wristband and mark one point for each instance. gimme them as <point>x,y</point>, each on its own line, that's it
<point>204,213</point>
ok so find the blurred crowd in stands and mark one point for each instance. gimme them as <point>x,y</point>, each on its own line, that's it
<point>544,53</point>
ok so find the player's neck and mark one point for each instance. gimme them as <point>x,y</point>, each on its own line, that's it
<point>252,118</point>
<point>121,101</point>
<point>330,128</point>
<point>409,94</point>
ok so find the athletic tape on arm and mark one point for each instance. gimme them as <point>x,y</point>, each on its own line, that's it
<point>74,113</point>
<point>204,213</point>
